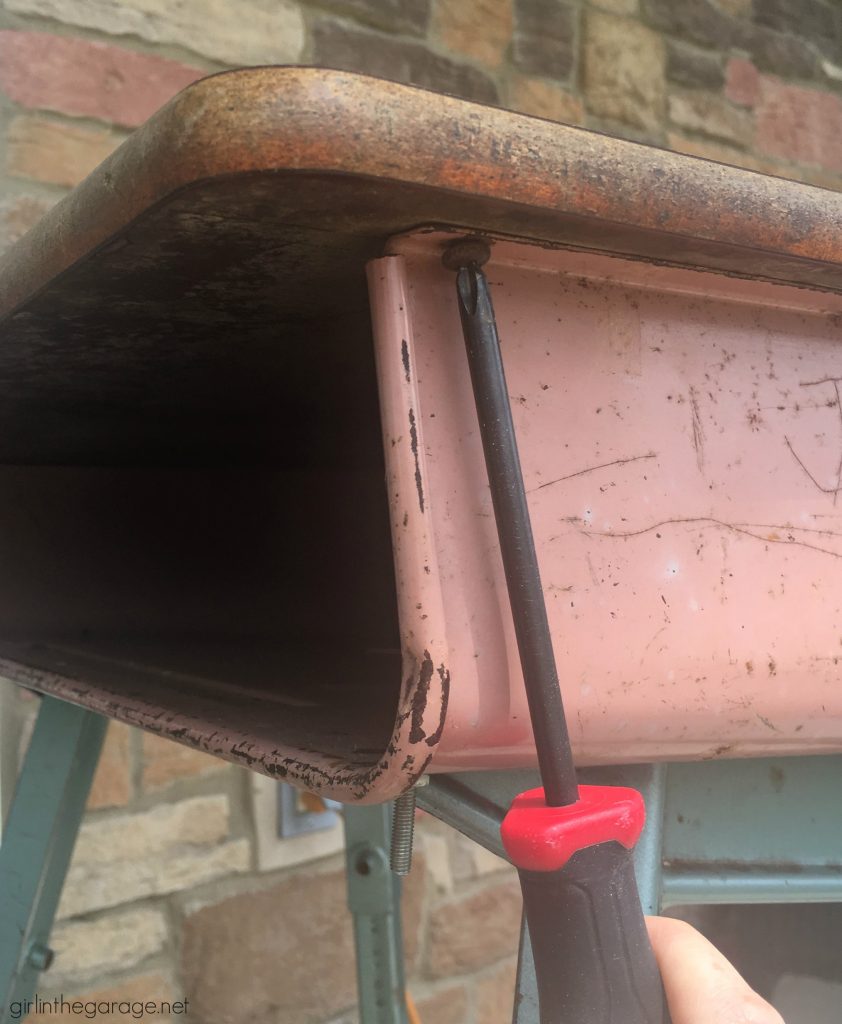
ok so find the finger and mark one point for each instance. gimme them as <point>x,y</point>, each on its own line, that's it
<point>702,987</point>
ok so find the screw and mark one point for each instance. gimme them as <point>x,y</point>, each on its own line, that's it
<point>463,252</point>
<point>365,863</point>
<point>41,956</point>
<point>403,828</point>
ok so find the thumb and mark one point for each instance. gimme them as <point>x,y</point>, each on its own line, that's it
<point>701,985</point>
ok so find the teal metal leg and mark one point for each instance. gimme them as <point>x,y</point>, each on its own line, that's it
<point>38,840</point>
<point>374,895</point>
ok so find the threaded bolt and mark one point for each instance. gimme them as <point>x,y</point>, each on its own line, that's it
<point>403,831</point>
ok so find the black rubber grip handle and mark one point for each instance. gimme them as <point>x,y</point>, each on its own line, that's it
<point>593,960</point>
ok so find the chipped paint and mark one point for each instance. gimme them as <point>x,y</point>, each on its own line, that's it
<point>413,443</point>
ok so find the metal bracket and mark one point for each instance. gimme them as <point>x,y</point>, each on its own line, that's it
<point>38,840</point>
<point>374,898</point>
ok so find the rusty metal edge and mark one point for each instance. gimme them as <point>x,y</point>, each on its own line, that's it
<point>298,119</point>
<point>198,724</point>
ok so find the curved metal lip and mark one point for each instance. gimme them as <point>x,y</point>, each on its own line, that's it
<point>315,121</point>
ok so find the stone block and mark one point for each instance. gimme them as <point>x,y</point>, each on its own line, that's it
<point>124,1003</point>
<point>742,82</point>
<point>462,857</point>
<point>540,98</point>
<point>624,71</point>
<point>495,994</point>
<point>274,852</point>
<point>455,24</point>
<point>169,848</point>
<point>813,20</point>
<point>437,856</point>
<point>799,124</point>
<point>338,46</point>
<point>737,8</point>
<point>711,114</point>
<point>692,67</point>
<point>447,1006</point>
<point>165,762</point>
<point>626,7</point>
<point>474,931</point>
<point>411,16</point>
<point>284,954</point>
<point>832,72</point>
<point>413,905</point>
<point>488,863</point>
<point>55,152</point>
<point>545,38</point>
<point>111,942</point>
<point>696,21</point>
<point>248,32</point>
<point>18,214</point>
<point>724,154</point>
<point>112,784</point>
<point>80,77</point>
<point>816,176</point>
<point>781,54</point>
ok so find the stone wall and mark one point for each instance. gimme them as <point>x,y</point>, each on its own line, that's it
<point>752,82</point>
<point>166,898</point>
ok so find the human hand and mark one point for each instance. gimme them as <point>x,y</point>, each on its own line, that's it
<point>701,985</point>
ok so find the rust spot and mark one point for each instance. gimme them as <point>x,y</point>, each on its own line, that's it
<point>698,431</point>
<point>444,675</point>
<point>719,751</point>
<point>773,668</point>
<point>413,443</point>
<point>418,707</point>
<point>419,699</point>
<point>749,667</point>
<point>405,359</point>
<point>767,723</point>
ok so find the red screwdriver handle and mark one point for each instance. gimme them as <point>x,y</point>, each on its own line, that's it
<point>594,963</point>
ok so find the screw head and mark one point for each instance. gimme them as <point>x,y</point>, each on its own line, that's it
<point>41,957</point>
<point>465,251</point>
<point>365,863</point>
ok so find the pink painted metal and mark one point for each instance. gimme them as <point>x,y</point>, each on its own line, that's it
<point>681,440</point>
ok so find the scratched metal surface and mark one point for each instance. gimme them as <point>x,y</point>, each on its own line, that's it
<point>199,303</point>
<point>681,440</point>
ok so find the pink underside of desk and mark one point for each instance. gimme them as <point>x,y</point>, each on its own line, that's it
<point>681,441</point>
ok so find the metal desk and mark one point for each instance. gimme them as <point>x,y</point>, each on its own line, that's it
<point>187,341</point>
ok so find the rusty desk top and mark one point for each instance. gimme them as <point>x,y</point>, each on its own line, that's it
<point>213,265</point>
<point>262,192</point>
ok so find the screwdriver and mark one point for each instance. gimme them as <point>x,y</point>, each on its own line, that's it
<point>572,845</point>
